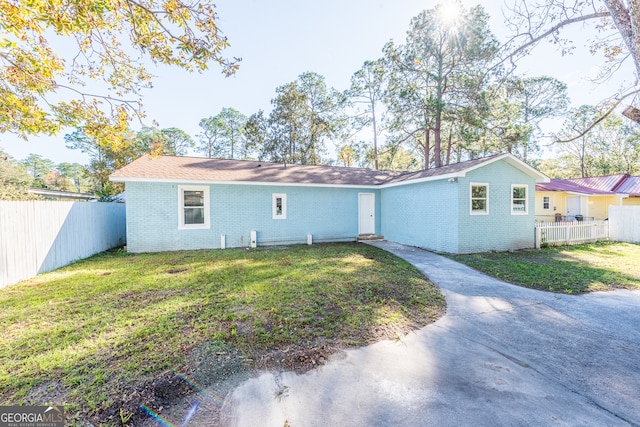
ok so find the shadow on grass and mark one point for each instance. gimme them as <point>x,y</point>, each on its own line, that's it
<point>575,269</point>
<point>100,326</point>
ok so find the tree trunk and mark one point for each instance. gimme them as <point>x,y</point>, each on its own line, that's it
<point>626,21</point>
<point>582,158</point>
<point>427,148</point>
<point>437,140</point>
<point>449,149</point>
<point>375,135</point>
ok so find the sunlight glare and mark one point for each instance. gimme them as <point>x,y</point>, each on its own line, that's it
<point>449,13</point>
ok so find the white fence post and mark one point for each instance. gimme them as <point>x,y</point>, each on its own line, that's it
<point>568,233</point>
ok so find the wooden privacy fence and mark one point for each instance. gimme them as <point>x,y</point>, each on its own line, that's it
<point>40,236</point>
<point>625,223</point>
<point>569,233</point>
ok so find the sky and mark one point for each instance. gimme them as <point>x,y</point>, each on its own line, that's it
<point>280,39</point>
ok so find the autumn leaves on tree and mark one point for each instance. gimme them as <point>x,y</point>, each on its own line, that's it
<point>98,86</point>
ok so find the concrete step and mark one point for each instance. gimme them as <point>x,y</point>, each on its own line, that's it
<point>367,237</point>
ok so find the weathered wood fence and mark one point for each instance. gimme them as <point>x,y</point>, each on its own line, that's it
<point>40,236</point>
<point>570,232</point>
<point>625,223</point>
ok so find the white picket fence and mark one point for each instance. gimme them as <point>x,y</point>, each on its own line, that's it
<point>625,223</point>
<point>40,236</point>
<point>571,232</point>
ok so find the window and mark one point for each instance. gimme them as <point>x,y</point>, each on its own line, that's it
<point>545,202</point>
<point>479,199</point>
<point>279,206</point>
<point>193,205</point>
<point>518,199</point>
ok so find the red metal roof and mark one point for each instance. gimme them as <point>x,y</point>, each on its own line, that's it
<point>630,185</point>
<point>569,186</point>
<point>612,184</point>
<point>602,183</point>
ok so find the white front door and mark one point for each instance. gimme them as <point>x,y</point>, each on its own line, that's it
<point>574,205</point>
<point>366,213</point>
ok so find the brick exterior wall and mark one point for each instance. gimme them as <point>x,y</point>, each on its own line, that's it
<point>500,230</point>
<point>422,214</point>
<point>436,215</point>
<point>327,213</point>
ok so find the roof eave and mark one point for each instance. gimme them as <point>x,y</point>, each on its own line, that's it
<point>424,179</point>
<point>261,183</point>
<point>518,164</point>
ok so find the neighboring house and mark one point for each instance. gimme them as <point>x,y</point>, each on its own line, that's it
<point>177,203</point>
<point>585,198</point>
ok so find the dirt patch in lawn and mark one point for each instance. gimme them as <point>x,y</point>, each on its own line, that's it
<point>46,391</point>
<point>198,392</point>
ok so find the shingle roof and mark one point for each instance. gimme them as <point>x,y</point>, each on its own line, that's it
<point>200,169</point>
<point>168,168</point>
<point>453,169</point>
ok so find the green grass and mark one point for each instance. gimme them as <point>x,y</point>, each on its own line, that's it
<point>102,326</point>
<point>569,269</point>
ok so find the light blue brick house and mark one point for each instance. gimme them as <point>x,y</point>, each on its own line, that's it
<point>180,203</point>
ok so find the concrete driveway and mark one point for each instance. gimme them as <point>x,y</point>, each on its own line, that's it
<point>502,355</point>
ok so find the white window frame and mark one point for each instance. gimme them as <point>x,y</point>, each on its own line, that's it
<point>546,203</point>
<point>526,199</point>
<point>274,206</point>
<point>207,219</point>
<point>471,198</point>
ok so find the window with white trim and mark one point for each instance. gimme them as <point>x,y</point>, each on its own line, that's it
<point>519,199</point>
<point>545,203</point>
<point>279,206</point>
<point>193,207</point>
<point>479,203</point>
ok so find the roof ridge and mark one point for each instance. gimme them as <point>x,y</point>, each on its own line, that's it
<point>621,181</point>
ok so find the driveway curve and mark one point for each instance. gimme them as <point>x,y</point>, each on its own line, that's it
<point>502,355</point>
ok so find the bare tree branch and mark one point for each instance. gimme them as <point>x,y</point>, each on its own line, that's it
<point>604,116</point>
<point>535,39</point>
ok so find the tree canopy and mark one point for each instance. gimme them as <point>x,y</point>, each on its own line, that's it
<point>97,85</point>
<point>443,95</point>
<point>306,115</point>
<point>223,135</point>
<point>438,77</point>
<point>610,147</point>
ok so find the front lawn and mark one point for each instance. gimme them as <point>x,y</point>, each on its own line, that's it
<point>117,331</point>
<point>569,269</point>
